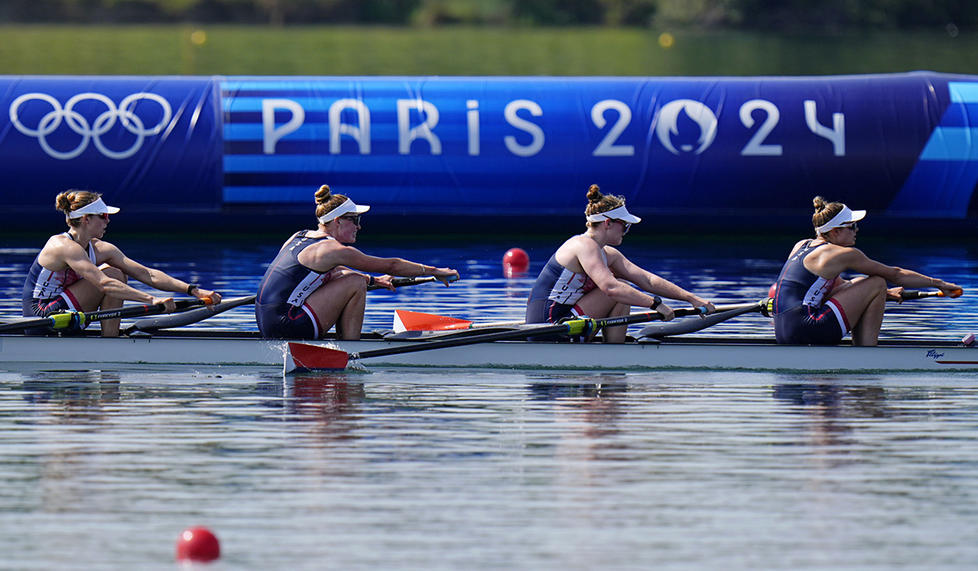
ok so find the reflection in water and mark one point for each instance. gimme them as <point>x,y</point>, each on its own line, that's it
<point>79,394</point>
<point>597,401</point>
<point>832,410</point>
<point>328,400</point>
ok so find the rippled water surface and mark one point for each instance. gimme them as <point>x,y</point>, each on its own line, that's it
<point>489,469</point>
<point>497,469</point>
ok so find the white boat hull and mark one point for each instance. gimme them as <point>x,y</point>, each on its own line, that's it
<point>216,349</point>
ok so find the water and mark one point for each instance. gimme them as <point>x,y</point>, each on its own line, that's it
<point>497,469</point>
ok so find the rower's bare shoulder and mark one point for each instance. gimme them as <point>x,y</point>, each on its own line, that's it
<point>61,244</point>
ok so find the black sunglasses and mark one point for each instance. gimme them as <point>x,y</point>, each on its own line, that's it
<point>627,225</point>
<point>354,219</point>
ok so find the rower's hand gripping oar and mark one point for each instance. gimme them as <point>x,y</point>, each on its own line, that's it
<point>306,356</point>
<point>71,318</point>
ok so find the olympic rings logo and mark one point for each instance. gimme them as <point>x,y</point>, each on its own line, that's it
<point>124,114</point>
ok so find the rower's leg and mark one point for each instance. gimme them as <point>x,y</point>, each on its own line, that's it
<point>617,334</point>
<point>90,298</point>
<point>110,327</point>
<point>341,302</point>
<point>596,303</point>
<point>863,303</point>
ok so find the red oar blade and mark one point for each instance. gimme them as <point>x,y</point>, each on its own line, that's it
<point>307,357</point>
<point>416,321</point>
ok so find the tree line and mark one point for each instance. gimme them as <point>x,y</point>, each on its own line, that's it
<point>760,15</point>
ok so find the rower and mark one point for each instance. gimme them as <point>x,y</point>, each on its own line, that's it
<point>317,280</point>
<point>79,271</point>
<point>814,305</point>
<point>588,277</point>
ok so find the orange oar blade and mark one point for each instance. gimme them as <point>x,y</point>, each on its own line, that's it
<point>957,292</point>
<point>415,321</point>
<point>312,357</point>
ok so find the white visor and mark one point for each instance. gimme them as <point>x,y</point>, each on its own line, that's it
<point>844,217</point>
<point>97,207</point>
<point>620,213</point>
<point>345,208</point>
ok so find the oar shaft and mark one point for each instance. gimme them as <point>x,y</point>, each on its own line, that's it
<point>401,282</point>
<point>187,317</point>
<point>562,328</point>
<point>570,327</point>
<point>63,320</point>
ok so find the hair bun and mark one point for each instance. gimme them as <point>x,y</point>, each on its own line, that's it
<point>323,194</point>
<point>594,193</point>
<point>819,203</point>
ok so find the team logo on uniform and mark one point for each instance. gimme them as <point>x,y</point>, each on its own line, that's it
<point>676,120</point>
<point>91,116</point>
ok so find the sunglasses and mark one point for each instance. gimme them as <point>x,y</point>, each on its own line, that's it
<point>854,227</point>
<point>103,216</point>
<point>627,225</point>
<point>354,219</point>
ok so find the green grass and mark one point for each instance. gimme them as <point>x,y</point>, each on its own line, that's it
<point>244,50</point>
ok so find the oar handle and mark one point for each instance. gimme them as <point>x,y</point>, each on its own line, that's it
<point>914,294</point>
<point>401,282</point>
<point>132,311</point>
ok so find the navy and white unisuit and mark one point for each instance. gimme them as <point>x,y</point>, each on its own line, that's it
<point>280,307</point>
<point>556,292</point>
<point>802,315</point>
<point>46,292</point>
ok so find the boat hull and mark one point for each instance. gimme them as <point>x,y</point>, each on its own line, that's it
<point>242,349</point>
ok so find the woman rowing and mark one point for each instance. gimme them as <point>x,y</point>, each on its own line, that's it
<point>79,271</point>
<point>814,305</point>
<point>588,277</point>
<point>317,280</point>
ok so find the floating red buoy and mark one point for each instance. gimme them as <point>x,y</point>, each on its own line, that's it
<point>772,290</point>
<point>515,261</point>
<point>198,544</point>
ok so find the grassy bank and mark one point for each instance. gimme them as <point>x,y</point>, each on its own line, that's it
<point>243,50</point>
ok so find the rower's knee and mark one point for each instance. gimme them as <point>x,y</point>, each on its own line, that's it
<point>115,273</point>
<point>877,285</point>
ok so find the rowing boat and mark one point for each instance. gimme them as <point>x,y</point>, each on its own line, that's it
<point>205,347</point>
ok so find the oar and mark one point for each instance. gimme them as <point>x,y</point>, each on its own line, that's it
<point>401,282</point>
<point>405,320</point>
<point>913,294</point>
<point>416,321</point>
<point>65,320</point>
<point>307,357</point>
<point>186,317</point>
<point>723,313</point>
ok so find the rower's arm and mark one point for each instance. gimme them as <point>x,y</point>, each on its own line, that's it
<point>324,257</point>
<point>593,264</point>
<point>77,259</point>
<point>158,278</point>
<point>624,268</point>
<point>855,260</point>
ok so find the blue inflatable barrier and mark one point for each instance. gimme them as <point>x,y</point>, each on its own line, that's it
<point>473,149</point>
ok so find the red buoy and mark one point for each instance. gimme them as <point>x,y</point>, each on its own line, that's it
<point>198,544</point>
<point>772,290</point>
<point>515,261</point>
